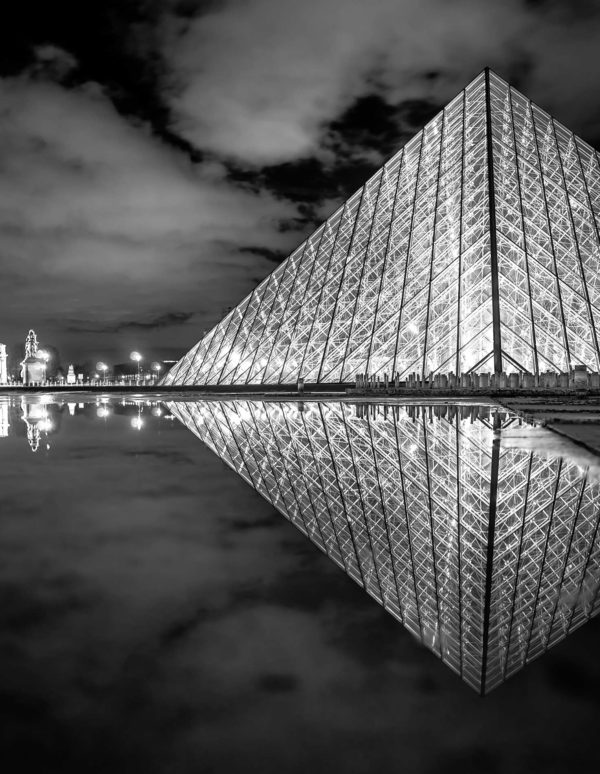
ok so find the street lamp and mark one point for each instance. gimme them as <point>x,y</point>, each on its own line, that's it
<point>136,357</point>
<point>103,368</point>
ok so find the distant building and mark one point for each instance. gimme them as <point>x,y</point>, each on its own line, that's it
<point>3,370</point>
<point>128,371</point>
<point>125,371</point>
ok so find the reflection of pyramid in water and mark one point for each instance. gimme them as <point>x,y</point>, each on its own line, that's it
<point>404,500</point>
<point>476,247</point>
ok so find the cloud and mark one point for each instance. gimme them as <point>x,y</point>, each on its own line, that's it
<point>259,81</point>
<point>99,219</point>
<point>53,62</point>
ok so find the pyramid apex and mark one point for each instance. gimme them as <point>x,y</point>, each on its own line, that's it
<point>451,257</point>
<point>487,71</point>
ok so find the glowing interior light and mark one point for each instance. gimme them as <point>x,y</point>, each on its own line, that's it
<point>401,277</point>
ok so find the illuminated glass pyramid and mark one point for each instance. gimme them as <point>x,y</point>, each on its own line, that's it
<point>489,554</point>
<point>476,247</point>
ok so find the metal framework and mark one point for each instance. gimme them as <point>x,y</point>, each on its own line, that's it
<point>489,555</point>
<point>476,247</point>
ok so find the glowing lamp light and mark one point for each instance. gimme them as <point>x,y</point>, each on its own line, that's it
<point>137,423</point>
<point>137,358</point>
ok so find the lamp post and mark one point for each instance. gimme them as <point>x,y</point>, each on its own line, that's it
<point>103,368</point>
<point>156,367</point>
<point>137,358</point>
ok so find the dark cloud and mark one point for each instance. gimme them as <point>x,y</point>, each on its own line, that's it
<point>163,321</point>
<point>270,255</point>
<point>521,69</point>
<point>23,611</point>
<point>266,522</point>
<point>112,42</point>
<point>571,680</point>
<point>275,683</point>
<point>574,10</point>
<point>183,628</point>
<point>472,760</point>
<point>167,320</point>
<point>371,123</point>
<point>354,146</point>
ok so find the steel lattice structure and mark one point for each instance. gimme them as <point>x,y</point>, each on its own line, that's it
<point>475,247</point>
<point>489,555</point>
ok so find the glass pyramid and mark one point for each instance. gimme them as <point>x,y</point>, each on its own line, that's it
<point>489,554</point>
<point>476,247</point>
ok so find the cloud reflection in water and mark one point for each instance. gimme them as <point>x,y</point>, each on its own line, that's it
<point>157,615</point>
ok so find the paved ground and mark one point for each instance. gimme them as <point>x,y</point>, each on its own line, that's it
<point>575,418</point>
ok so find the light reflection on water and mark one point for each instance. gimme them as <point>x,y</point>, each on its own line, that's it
<point>42,415</point>
<point>142,586</point>
<point>487,554</point>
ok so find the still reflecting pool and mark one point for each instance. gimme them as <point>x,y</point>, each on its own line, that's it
<point>140,576</point>
<point>486,553</point>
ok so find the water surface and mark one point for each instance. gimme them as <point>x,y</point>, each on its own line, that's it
<point>158,614</point>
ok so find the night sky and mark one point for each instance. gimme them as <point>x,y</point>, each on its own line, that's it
<point>160,157</point>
